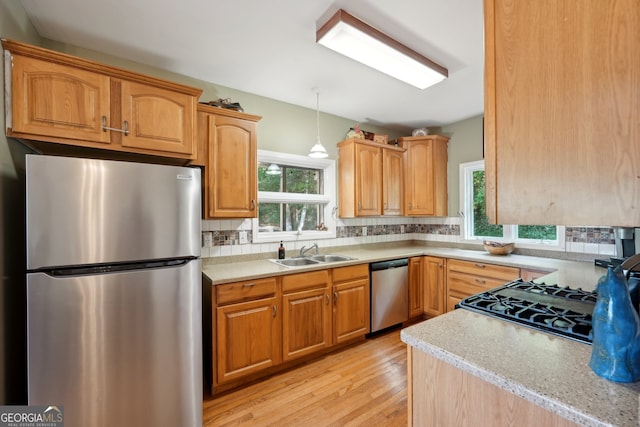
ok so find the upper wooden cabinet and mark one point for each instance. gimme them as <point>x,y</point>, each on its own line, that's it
<point>369,179</point>
<point>425,175</point>
<point>54,97</point>
<point>562,135</point>
<point>228,148</point>
<point>392,174</point>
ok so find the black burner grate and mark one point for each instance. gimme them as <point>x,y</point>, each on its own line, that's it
<point>562,311</point>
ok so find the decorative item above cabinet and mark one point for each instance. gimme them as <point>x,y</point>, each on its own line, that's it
<point>53,97</point>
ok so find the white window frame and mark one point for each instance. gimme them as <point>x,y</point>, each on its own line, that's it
<point>328,198</point>
<point>510,231</point>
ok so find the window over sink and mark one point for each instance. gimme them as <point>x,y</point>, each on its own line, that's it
<point>296,198</point>
<point>476,227</point>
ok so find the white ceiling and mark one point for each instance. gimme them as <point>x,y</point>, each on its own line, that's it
<point>268,48</point>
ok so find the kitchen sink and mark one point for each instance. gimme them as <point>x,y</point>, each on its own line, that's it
<point>311,260</point>
<point>331,258</point>
<point>295,262</point>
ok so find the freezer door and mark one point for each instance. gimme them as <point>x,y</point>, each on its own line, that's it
<point>87,211</point>
<point>122,349</point>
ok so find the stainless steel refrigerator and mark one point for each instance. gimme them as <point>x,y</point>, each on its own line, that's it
<point>113,291</point>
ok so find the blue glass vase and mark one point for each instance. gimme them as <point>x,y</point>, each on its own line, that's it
<point>615,353</point>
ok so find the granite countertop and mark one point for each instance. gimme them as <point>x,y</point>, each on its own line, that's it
<point>549,371</point>
<point>575,274</point>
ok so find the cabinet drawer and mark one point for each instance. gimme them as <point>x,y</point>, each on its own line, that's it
<point>466,284</point>
<point>349,273</point>
<point>296,282</point>
<point>245,291</point>
<point>484,269</point>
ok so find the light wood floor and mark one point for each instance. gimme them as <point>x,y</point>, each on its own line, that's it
<point>364,385</point>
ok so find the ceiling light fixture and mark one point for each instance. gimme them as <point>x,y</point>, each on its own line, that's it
<point>358,40</point>
<point>318,151</point>
<point>273,169</point>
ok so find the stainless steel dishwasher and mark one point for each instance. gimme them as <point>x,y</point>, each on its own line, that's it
<point>389,293</point>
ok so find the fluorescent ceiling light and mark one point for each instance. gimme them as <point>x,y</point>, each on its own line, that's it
<point>357,40</point>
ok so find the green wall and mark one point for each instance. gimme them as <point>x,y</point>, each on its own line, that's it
<point>465,145</point>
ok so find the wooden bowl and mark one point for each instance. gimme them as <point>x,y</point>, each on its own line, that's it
<point>497,248</point>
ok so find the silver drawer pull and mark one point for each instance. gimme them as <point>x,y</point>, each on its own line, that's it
<point>248,285</point>
<point>480,265</point>
<point>106,128</point>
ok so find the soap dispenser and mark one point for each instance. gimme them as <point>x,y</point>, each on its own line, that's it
<point>281,251</point>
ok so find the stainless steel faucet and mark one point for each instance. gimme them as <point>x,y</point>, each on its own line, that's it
<point>303,250</point>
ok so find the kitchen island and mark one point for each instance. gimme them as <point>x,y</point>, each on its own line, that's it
<point>460,361</point>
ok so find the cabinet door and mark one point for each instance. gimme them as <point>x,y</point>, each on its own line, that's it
<point>416,287</point>
<point>392,185</point>
<point>561,129</point>
<point>425,177</point>
<point>306,322</point>
<point>232,176</point>
<point>248,338</point>
<point>434,283</point>
<point>419,183</point>
<point>157,119</point>
<point>351,317</point>
<point>57,101</point>
<point>368,180</point>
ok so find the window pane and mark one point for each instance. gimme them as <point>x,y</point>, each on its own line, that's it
<point>269,217</point>
<point>537,232</point>
<point>288,216</point>
<point>299,180</point>
<point>267,182</point>
<point>481,226</point>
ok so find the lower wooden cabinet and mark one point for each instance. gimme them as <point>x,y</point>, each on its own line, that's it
<point>434,286</point>
<point>306,314</point>
<point>247,333</point>
<point>351,303</point>
<point>465,278</point>
<point>440,394</point>
<point>416,287</point>
<point>259,326</point>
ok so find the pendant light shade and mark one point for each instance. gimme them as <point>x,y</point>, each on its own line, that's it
<point>318,151</point>
<point>273,169</point>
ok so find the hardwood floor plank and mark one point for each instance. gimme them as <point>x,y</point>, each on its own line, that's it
<point>362,385</point>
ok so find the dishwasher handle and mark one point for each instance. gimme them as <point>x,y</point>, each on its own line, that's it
<point>385,265</point>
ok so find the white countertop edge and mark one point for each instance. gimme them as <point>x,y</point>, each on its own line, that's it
<point>552,405</point>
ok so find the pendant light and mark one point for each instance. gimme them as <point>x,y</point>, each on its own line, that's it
<point>273,169</point>
<point>318,151</point>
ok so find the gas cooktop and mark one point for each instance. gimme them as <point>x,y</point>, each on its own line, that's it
<point>558,310</point>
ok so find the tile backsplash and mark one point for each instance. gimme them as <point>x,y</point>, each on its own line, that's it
<point>225,235</point>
